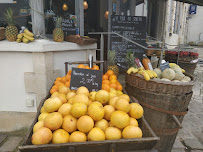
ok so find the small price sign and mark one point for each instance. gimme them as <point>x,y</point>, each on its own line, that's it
<point>91,79</point>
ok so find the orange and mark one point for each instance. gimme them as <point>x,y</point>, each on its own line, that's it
<point>106,87</point>
<point>58,79</point>
<point>105,77</point>
<point>113,81</point>
<point>81,66</point>
<point>53,90</point>
<point>113,85</point>
<point>105,82</point>
<point>68,76</point>
<point>55,87</point>
<point>119,87</point>
<point>87,67</point>
<point>58,83</point>
<point>67,84</point>
<point>70,72</point>
<point>63,79</point>
<point>95,67</point>
<point>117,82</point>
<point>110,72</point>
<point>112,77</point>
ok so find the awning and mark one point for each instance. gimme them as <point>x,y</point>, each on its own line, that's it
<point>195,2</point>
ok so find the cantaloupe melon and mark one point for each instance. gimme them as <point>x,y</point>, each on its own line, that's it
<point>158,72</point>
<point>168,74</point>
<point>179,76</point>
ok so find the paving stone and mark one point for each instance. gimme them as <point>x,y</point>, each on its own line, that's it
<point>198,135</point>
<point>2,138</point>
<point>178,150</point>
<point>193,143</point>
<point>11,144</point>
<point>196,151</point>
<point>178,144</point>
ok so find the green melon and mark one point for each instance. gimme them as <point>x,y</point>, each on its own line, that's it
<point>158,72</point>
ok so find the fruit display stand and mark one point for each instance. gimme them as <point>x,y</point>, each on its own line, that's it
<point>146,143</point>
<point>165,104</point>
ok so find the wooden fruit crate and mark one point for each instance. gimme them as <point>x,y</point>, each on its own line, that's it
<point>80,40</point>
<point>2,33</point>
<point>147,142</point>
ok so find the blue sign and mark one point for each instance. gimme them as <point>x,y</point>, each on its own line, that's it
<point>193,9</point>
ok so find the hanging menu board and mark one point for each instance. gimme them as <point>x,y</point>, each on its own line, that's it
<point>91,79</point>
<point>68,26</point>
<point>131,27</point>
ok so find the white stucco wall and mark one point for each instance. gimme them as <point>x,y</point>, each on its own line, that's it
<point>195,25</point>
<point>27,71</point>
<point>12,88</point>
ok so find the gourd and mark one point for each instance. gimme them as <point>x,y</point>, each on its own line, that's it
<point>177,69</point>
<point>186,78</point>
<point>168,74</point>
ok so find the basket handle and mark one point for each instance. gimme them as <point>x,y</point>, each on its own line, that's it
<point>177,121</point>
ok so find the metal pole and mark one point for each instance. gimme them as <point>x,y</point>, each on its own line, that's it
<point>81,17</point>
<point>102,50</point>
<point>109,21</point>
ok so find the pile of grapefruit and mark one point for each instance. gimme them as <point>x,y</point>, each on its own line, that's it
<point>80,116</point>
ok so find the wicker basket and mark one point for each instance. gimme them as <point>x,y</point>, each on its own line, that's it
<point>2,33</point>
<point>158,86</point>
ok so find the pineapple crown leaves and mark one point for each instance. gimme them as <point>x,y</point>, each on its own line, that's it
<point>9,16</point>
<point>130,58</point>
<point>112,57</point>
<point>58,22</point>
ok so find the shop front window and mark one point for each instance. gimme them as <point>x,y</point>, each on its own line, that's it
<point>21,10</point>
<point>68,10</point>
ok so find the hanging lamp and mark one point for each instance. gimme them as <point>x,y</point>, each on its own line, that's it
<point>85,4</point>
<point>65,7</point>
<point>106,15</point>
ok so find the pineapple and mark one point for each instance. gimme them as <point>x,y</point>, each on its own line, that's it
<point>112,62</point>
<point>11,30</point>
<point>130,59</point>
<point>58,34</point>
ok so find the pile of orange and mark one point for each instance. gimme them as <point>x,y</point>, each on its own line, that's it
<point>65,81</point>
<point>109,80</point>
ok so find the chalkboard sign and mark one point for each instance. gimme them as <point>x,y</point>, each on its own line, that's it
<point>68,26</point>
<point>92,79</point>
<point>131,27</point>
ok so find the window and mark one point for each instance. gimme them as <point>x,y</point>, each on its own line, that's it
<point>21,10</point>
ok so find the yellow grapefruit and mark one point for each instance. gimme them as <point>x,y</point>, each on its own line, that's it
<point>92,95</point>
<point>78,110</point>
<point>133,122</point>
<point>52,104</point>
<point>53,121</point>
<point>113,100</point>
<point>102,124</point>
<point>120,119</point>
<point>78,136</point>
<point>42,116</point>
<point>65,109</point>
<point>85,124</point>
<point>96,111</point>
<point>136,110</point>
<point>70,95</point>
<point>62,97</point>
<point>125,96</point>
<point>60,136</point>
<point>81,98</point>
<point>38,125</point>
<point>69,123</point>
<point>109,109</point>
<point>102,96</point>
<point>113,133</point>
<point>83,90</point>
<point>132,132</point>
<point>122,104</point>
<point>42,136</point>
<point>96,134</point>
